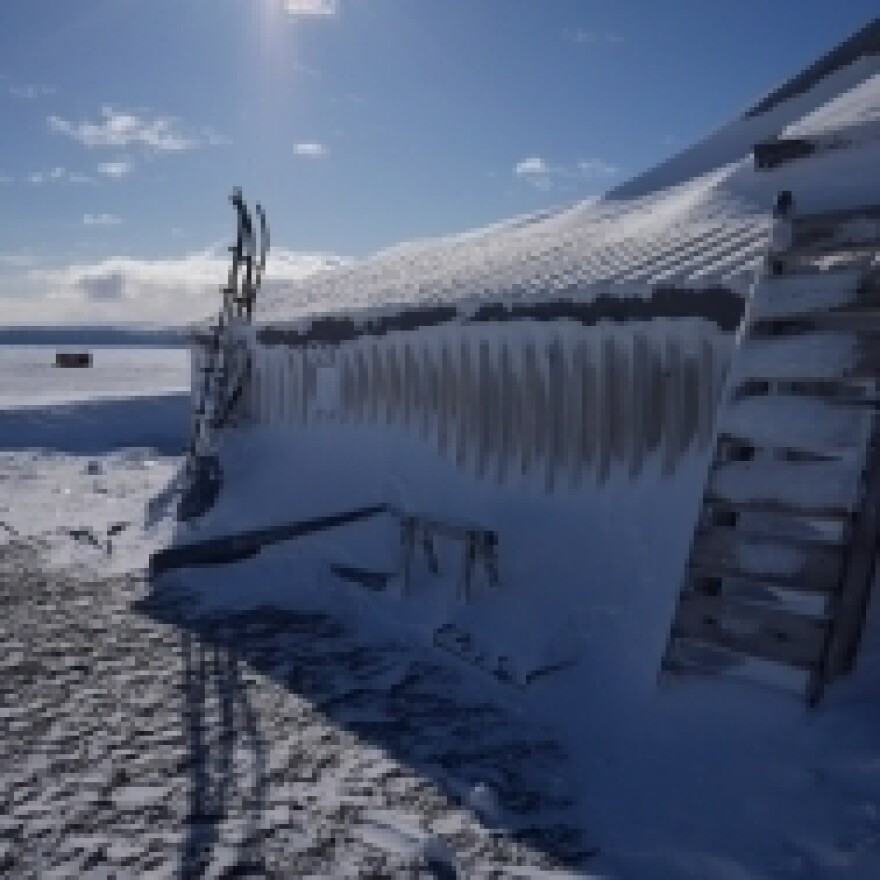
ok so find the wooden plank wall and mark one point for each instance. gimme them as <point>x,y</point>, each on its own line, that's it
<point>554,403</point>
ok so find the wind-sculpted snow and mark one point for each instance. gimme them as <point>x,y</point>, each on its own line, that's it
<point>694,236</point>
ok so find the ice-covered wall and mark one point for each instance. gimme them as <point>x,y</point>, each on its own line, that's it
<point>553,402</point>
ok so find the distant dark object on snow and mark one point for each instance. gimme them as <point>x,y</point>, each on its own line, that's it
<point>73,358</point>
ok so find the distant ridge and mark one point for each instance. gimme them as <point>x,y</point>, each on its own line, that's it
<point>864,42</point>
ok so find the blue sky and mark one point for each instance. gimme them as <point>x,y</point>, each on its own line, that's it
<point>359,123</point>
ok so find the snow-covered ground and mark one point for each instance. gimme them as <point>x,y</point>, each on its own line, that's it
<point>31,379</point>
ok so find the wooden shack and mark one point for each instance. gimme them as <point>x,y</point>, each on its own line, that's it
<point>73,359</point>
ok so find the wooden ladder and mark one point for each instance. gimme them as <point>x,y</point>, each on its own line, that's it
<point>782,560</point>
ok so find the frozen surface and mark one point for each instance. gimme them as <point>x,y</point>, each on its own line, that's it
<point>28,376</point>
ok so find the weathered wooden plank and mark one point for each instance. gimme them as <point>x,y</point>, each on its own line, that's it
<point>807,357</point>
<point>804,293</point>
<point>810,486</point>
<point>780,636</point>
<point>802,423</point>
<point>851,229</point>
<point>804,567</point>
<point>771,153</point>
<point>789,527</point>
<point>231,548</point>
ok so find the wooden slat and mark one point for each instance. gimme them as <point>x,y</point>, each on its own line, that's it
<point>795,422</point>
<point>852,229</point>
<point>803,567</point>
<point>780,636</point>
<point>824,486</point>
<point>798,294</point>
<point>788,527</point>
<point>807,357</point>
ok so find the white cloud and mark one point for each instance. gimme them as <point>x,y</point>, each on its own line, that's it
<point>532,165</point>
<point>542,174</point>
<point>116,170</point>
<point>310,150</point>
<point>6,179</point>
<point>597,168</point>
<point>119,128</point>
<point>58,174</point>
<point>101,220</point>
<point>170,292</point>
<point>534,170</point>
<point>31,92</point>
<point>311,8</point>
<point>595,38</point>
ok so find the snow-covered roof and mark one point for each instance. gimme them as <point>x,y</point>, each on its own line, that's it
<point>700,230</point>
